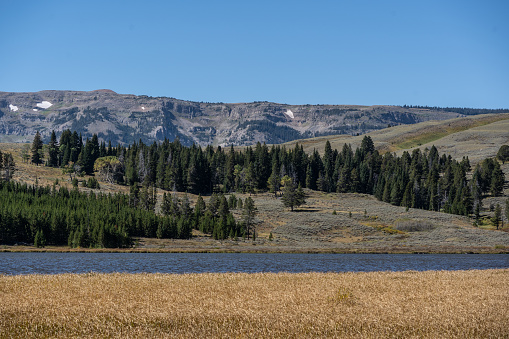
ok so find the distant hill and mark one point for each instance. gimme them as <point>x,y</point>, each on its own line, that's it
<point>478,137</point>
<point>124,118</point>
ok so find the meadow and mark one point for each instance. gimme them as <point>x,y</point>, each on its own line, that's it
<point>431,304</point>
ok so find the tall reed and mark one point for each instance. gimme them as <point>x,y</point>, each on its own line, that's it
<point>453,304</point>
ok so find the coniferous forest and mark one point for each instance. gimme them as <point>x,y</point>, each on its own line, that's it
<point>420,179</point>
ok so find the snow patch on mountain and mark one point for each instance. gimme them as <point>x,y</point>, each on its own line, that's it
<point>289,113</point>
<point>44,104</point>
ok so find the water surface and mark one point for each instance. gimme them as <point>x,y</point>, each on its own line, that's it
<point>54,263</point>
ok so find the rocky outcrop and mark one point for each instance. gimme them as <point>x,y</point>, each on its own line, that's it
<point>124,118</point>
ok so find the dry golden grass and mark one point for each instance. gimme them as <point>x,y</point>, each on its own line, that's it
<point>454,304</point>
<point>431,133</point>
<point>409,136</point>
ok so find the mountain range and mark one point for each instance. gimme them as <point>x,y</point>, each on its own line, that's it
<point>124,118</point>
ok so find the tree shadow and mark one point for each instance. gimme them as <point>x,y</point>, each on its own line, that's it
<point>306,210</point>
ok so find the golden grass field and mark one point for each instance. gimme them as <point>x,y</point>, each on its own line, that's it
<point>477,137</point>
<point>433,304</point>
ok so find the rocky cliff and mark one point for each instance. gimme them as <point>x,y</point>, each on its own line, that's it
<point>124,118</point>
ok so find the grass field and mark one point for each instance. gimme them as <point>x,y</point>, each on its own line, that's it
<point>452,304</point>
<point>477,137</point>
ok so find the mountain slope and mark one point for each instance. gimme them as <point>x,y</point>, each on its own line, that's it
<point>477,137</point>
<point>124,118</point>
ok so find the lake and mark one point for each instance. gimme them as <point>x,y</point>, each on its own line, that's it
<point>54,263</point>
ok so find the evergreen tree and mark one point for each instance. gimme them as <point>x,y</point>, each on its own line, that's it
<point>134,195</point>
<point>407,196</point>
<point>497,180</point>
<point>223,209</point>
<point>185,207</point>
<point>53,151</point>
<point>507,209</point>
<point>232,202</point>
<point>503,153</point>
<point>316,168</point>
<point>213,204</point>
<point>495,220</point>
<point>395,195</point>
<point>367,146</point>
<point>7,166</point>
<point>199,207</point>
<point>40,239</point>
<point>249,178</point>
<point>292,196</point>
<point>328,163</point>
<point>345,179</point>
<point>148,198</point>
<point>166,204</point>
<point>248,215</point>
<point>37,155</point>
<point>229,179</point>
<point>274,179</point>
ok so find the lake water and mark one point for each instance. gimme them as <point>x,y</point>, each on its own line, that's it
<point>53,263</point>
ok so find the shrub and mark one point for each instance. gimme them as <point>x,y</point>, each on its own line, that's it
<point>413,225</point>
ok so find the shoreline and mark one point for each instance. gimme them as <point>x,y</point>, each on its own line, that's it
<point>26,249</point>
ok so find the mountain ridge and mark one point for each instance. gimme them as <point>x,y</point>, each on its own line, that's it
<point>124,118</point>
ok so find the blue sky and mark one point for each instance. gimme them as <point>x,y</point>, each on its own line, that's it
<point>443,53</point>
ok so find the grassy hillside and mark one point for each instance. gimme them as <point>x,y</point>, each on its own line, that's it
<point>477,137</point>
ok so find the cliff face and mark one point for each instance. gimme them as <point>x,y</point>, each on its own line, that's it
<point>124,118</point>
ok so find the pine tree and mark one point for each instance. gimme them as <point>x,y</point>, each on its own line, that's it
<point>407,196</point>
<point>53,151</point>
<point>248,214</point>
<point>395,195</point>
<point>134,195</point>
<point>185,207</point>
<point>213,204</point>
<point>223,209</point>
<point>40,239</point>
<point>507,210</point>
<point>147,198</point>
<point>497,180</point>
<point>503,153</point>
<point>249,178</point>
<point>386,197</point>
<point>7,167</point>
<point>229,180</point>
<point>367,146</point>
<point>292,196</point>
<point>166,204</point>
<point>495,220</point>
<point>37,155</point>
<point>477,213</point>
<point>328,163</point>
<point>199,207</point>
<point>274,179</point>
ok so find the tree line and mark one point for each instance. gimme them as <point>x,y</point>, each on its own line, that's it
<point>44,215</point>
<point>461,110</point>
<point>417,179</point>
